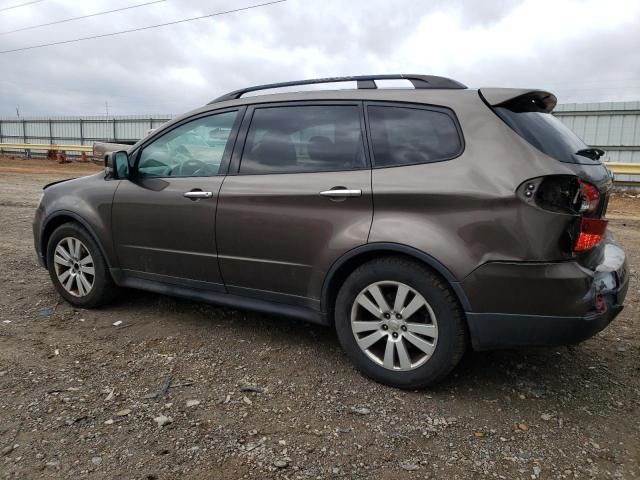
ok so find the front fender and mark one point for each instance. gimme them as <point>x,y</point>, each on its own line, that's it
<point>86,200</point>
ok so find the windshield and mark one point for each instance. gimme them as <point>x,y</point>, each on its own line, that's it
<point>547,134</point>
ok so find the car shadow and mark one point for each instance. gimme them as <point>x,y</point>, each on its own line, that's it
<point>530,372</point>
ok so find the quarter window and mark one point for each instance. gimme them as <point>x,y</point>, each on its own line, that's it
<point>404,136</point>
<point>194,149</point>
<point>303,139</point>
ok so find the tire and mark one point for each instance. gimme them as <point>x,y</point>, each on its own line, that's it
<point>62,243</point>
<point>437,326</point>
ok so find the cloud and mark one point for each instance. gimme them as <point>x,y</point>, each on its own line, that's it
<point>586,50</point>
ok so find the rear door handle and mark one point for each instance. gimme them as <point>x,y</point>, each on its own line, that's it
<point>341,192</point>
<point>196,194</point>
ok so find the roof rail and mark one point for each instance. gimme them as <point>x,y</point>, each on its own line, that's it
<point>363,82</point>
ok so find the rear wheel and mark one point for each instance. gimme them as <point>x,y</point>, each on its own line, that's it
<point>77,268</point>
<point>400,323</point>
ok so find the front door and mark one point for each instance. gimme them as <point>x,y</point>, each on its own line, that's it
<point>299,198</point>
<point>164,219</point>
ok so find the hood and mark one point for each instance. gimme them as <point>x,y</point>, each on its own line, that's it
<point>75,179</point>
<point>56,182</point>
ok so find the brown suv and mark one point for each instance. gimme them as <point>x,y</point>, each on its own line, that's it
<point>413,221</point>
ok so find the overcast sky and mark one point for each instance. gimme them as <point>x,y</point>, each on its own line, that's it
<point>581,50</point>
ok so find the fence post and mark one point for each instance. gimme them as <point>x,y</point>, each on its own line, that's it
<point>81,133</point>
<point>24,138</point>
<point>50,132</point>
<point>114,129</point>
<point>0,136</point>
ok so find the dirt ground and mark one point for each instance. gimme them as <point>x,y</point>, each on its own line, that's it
<point>254,396</point>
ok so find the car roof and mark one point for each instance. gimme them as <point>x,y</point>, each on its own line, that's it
<point>431,96</point>
<point>445,97</point>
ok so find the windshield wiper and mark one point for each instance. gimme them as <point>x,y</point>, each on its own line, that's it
<point>592,153</point>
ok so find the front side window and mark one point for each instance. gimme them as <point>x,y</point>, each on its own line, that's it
<point>194,149</point>
<point>303,139</point>
<point>405,136</point>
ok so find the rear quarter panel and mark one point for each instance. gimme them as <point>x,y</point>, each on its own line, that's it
<point>464,212</point>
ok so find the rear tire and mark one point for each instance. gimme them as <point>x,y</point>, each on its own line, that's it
<point>400,323</point>
<point>77,268</point>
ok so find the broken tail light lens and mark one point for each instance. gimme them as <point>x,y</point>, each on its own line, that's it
<point>591,229</point>
<point>569,194</point>
<point>589,198</point>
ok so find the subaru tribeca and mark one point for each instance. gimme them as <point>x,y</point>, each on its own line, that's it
<point>416,222</point>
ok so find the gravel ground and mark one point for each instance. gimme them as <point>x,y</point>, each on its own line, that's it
<point>185,390</point>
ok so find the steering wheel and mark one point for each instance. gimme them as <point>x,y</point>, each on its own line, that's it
<point>192,167</point>
<point>182,152</point>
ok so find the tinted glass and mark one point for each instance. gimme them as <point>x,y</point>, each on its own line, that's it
<point>547,134</point>
<point>403,136</point>
<point>303,139</point>
<point>194,149</point>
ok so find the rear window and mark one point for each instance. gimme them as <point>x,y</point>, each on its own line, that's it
<point>547,134</point>
<point>405,135</point>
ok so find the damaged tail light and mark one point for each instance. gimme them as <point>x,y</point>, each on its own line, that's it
<point>570,195</point>
<point>592,229</point>
<point>589,197</point>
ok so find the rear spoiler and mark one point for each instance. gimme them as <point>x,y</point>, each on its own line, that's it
<point>519,99</point>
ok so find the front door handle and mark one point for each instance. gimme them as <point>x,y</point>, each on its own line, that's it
<point>196,194</point>
<point>341,192</point>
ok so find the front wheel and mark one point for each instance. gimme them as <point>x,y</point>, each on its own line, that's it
<point>77,267</point>
<point>400,323</point>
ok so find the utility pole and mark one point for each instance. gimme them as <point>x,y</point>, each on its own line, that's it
<point>106,107</point>
<point>18,111</point>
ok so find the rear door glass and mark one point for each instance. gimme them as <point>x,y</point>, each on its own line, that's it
<point>297,139</point>
<point>406,135</point>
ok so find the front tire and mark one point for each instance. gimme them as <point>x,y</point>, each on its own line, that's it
<point>400,323</point>
<point>77,268</point>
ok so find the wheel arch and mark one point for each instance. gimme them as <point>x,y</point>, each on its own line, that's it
<point>352,259</point>
<point>61,217</point>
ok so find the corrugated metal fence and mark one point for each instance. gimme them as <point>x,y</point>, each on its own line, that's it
<point>611,126</point>
<point>78,130</point>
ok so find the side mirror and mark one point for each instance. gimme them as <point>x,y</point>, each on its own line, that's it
<point>117,164</point>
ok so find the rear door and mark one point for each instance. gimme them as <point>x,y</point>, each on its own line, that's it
<point>298,198</point>
<point>164,219</point>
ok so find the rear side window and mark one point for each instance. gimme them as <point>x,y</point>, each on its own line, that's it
<point>547,134</point>
<point>296,139</point>
<point>405,135</point>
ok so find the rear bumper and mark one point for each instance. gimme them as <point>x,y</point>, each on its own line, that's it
<point>493,331</point>
<point>523,304</point>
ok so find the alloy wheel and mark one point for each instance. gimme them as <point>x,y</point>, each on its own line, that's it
<point>74,266</point>
<point>394,325</point>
